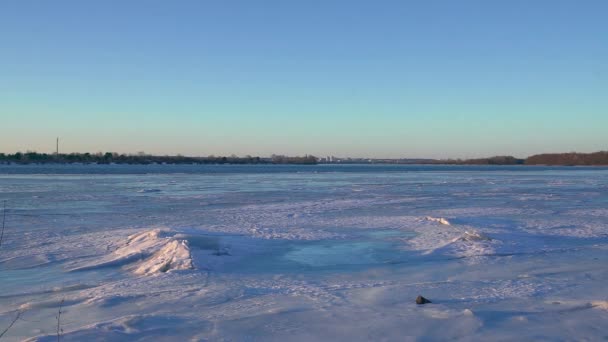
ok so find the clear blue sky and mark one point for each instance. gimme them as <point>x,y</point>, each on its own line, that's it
<point>358,78</point>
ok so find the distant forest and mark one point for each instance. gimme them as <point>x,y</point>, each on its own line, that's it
<point>498,160</point>
<point>566,159</point>
<point>596,158</point>
<point>141,158</point>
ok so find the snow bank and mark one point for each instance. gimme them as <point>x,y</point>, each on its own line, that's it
<point>148,252</point>
<point>471,236</point>
<point>454,241</point>
<point>175,255</point>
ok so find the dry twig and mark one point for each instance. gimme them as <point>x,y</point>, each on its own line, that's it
<point>13,322</point>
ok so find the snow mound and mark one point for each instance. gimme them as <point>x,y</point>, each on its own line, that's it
<point>453,242</point>
<point>175,255</point>
<point>600,304</point>
<point>468,244</point>
<point>147,253</point>
<point>471,236</point>
<point>141,243</point>
<point>440,220</point>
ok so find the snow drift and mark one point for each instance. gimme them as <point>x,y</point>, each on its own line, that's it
<point>147,253</point>
<point>451,240</point>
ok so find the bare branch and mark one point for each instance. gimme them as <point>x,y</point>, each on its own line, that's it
<point>58,317</point>
<point>3,221</point>
<point>13,322</point>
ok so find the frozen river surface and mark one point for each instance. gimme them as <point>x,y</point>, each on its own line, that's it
<point>304,253</point>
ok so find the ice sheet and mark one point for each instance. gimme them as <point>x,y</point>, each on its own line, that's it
<point>503,254</point>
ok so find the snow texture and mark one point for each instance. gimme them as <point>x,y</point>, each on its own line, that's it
<point>303,253</point>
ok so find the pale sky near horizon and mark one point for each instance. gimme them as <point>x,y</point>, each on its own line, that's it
<point>347,78</point>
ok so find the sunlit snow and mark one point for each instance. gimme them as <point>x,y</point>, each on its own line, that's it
<point>304,253</point>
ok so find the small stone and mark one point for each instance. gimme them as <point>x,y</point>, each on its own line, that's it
<point>422,300</point>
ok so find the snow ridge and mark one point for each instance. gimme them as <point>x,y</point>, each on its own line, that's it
<point>147,253</point>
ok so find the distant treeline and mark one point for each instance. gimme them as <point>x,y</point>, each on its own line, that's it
<point>141,158</point>
<point>596,158</point>
<point>498,160</point>
<point>566,159</point>
<point>569,159</point>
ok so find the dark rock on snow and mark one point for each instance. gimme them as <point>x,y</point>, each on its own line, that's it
<point>422,300</point>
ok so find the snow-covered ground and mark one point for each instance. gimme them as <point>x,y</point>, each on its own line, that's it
<point>305,254</point>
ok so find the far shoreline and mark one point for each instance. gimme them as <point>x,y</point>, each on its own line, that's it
<point>112,158</point>
<point>19,164</point>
